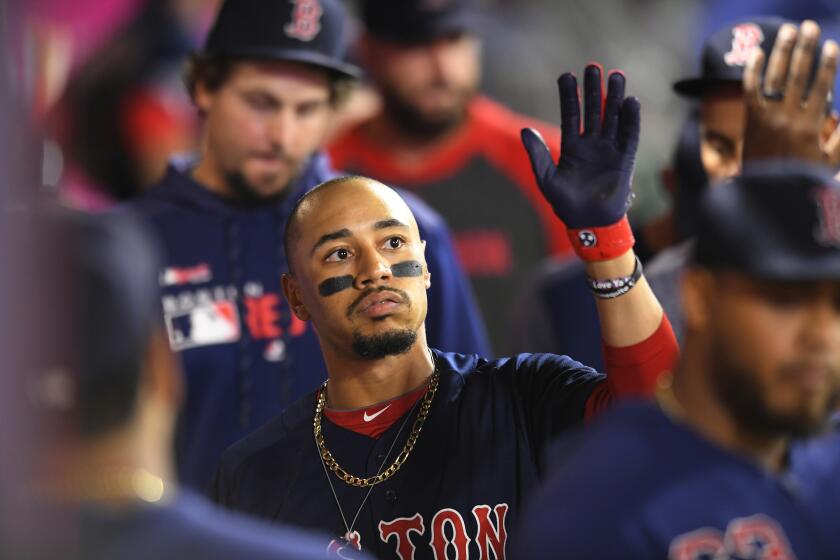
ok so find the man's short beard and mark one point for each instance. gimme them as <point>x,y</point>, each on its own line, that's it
<point>417,124</point>
<point>245,194</point>
<point>743,398</point>
<point>389,343</point>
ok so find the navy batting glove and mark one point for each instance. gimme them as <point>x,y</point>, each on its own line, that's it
<point>590,186</point>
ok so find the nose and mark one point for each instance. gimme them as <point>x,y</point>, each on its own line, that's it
<point>282,129</point>
<point>447,57</point>
<point>822,327</point>
<point>374,270</point>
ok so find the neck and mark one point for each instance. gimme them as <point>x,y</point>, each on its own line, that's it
<point>210,176</point>
<point>699,407</point>
<point>123,466</point>
<point>356,382</point>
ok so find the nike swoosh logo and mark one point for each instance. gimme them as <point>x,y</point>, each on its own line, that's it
<point>368,418</point>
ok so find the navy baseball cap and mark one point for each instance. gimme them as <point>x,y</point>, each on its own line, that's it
<point>726,52</point>
<point>94,278</point>
<point>309,31</point>
<point>417,21</point>
<point>779,220</point>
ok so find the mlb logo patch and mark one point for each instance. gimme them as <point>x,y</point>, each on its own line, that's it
<point>206,324</point>
<point>176,276</point>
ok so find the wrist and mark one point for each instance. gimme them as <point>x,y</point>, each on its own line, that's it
<point>602,243</point>
<point>618,284</point>
<point>622,265</point>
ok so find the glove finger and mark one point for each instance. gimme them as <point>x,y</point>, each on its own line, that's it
<point>569,107</point>
<point>541,162</point>
<point>593,99</point>
<point>629,122</point>
<point>615,95</point>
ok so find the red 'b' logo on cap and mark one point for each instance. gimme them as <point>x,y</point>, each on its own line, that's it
<point>745,37</point>
<point>306,20</point>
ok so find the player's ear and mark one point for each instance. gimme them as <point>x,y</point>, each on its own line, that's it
<point>202,97</point>
<point>427,275</point>
<point>696,292</point>
<point>291,290</point>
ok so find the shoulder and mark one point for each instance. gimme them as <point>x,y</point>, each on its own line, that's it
<point>498,122</point>
<point>223,534</point>
<point>277,434</point>
<point>343,147</point>
<point>624,429</point>
<point>158,199</point>
<point>584,495</point>
<point>518,364</point>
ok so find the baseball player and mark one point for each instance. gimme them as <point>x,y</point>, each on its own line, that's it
<point>721,467</point>
<point>410,452</point>
<point>103,389</point>
<point>267,84</point>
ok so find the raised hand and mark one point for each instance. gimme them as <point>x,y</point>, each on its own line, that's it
<point>590,186</point>
<point>784,117</point>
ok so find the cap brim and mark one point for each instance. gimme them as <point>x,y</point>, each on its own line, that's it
<point>331,64</point>
<point>696,87</point>
<point>777,263</point>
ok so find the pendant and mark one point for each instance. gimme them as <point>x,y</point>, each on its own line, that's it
<point>349,541</point>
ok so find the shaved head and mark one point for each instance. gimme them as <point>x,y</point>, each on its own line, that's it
<point>309,204</point>
<point>357,269</point>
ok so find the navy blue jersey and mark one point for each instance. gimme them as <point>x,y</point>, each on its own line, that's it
<point>189,527</point>
<point>481,450</point>
<point>245,355</point>
<point>637,485</point>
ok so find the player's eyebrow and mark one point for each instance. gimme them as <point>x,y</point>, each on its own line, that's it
<point>338,234</point>
<point>389,223</point>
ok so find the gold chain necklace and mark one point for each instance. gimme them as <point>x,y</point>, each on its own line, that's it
<point>332,464</point>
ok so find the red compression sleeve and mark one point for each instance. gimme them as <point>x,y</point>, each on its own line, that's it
<point>632,371</point>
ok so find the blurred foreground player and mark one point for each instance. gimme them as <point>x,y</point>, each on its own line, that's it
<point>267,85</point>
<point>417,452</point>
<point>105,390</point>
<point>739,457</point>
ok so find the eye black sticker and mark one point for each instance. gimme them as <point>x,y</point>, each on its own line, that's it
<point>334,285</point>
<point>407,269</point>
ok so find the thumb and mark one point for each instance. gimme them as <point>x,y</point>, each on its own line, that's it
<point>541,162</point>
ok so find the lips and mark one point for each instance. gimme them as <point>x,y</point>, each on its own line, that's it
<point>812,378</point>
<point>379,304</point>
<point>270,162</point>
